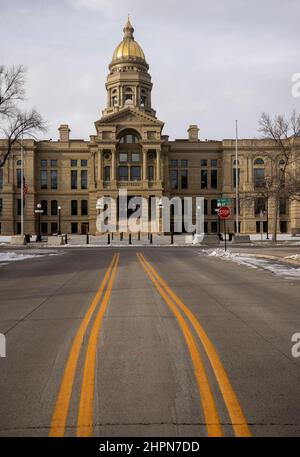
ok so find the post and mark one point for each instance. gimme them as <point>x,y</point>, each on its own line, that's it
<point>236,178</point>
<point>172,237</point>
<point>139,235</point>
<point>39,235</point>
<point>151,238</point>
<point>129,239</point>
<point>22,189</point>
<point>267,218</point>
<point>66,238</point>
<point>112,236</point>
<point>59,230</point>
<point>121,236</point>
<point>225,236</point>
<point>108,238</point>
<point>87,238</point>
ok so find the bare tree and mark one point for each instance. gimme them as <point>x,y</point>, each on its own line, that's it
<point>284,179</point>
<point>14,122</point>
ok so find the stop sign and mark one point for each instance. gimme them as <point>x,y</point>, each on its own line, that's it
<point>224,212</point>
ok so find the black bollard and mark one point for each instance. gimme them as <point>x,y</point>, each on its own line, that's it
<point>66,238</point>
<point>139,235</point>
<point>108,238</point>
<point>151,238</point>
<point>87,239</point>
<point>172,238</point>
<point>121,236</point>
<point>148,236</point>
<point>112,236</point>
<point>129,239</point>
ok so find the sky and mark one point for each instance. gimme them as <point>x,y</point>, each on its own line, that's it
<point>211,62</point>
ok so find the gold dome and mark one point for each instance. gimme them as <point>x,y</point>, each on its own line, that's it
<point>128,48</point>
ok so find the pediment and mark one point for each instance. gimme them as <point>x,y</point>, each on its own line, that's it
<point>129,116</point>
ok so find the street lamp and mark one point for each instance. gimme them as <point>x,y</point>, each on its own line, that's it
<point>268,186</point>
<point>59,209</point>
<point>39,211</point>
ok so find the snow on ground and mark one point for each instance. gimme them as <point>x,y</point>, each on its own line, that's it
<point>13,256</point>
<point>277,268</point>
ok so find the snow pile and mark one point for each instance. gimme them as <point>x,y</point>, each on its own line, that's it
<point>293,257</point>
<point>13,256</point>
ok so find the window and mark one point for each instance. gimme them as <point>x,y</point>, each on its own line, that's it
<point>259,177</point>
<point>214,227</point>
<point>43,163</point>
<point>283,226</point>
<point>83,162</point>
<point>53,163</point>
<point>1,178</point>
<point>114,100</point>
<point>259,161</point>
<point>106,173</point>
<point>123,173</point>
<point>184,179</point>
<point>205,206</point>
<point>19,163</point>
<point>74,227</point>
<point>53,179</point>
<point>151,173</point>
<point>214,179</point>
<point>73,207</point>
<point>184,163</point>
<point>73,179</point>
<point>282,206</point>
<point>19,174</point>
<point>84,179</point>
<point>44,228</point>
<point>129,139</point>
<point>84,207</point>
<point>19,207</point>
<point>44,179</point>
<point>235,206</point>
<point>135,173</point>
<point>1,206</point>
<point>203,179</point>
<point>54,207</point>
<point>174,163</point>
<point>54,227</point>
<point>259,205</point>
<point>44,207</point>
<point>214,163</point>
<point>73,163</point>
<point>174,179</point>
<point>214,206</point>
<point>234,176</point>
<point>135,157</point>
<point>143,100</point>
<point>123,157</point>
<point>203,162</point>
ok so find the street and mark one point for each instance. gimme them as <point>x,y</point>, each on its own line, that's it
<point>147,342</point>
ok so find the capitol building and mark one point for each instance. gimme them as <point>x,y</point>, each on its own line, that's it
<point>128,149</point>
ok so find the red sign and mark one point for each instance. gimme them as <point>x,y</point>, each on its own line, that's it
<point>224,212</point>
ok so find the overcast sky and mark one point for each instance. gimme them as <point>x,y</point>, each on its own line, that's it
<point>211,61</point>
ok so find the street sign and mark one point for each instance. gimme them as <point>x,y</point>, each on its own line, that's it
<point>224,212</point>
<point>223,201</point>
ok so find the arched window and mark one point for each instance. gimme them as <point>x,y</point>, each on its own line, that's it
<point>234,162</point>
<point>128,95</point>
<point>129,138</point>
<point>259,173</point>
<point>19,163</point>
<point>259,161</point>
<point>281,162</point>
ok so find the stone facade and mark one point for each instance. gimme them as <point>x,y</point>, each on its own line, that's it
<point>129,151</point>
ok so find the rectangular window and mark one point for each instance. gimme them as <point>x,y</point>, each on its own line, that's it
<point>73,179</point>
<point>260,205</point>
<point>74,227</point>
<point>203,179</point>
<point>83,162</point>
<point>151,173</point>
<point>203,162</point>
<point>282,206</point>
<point>84,179</point>
<point>53,207</point>
<point>1,205</point>
<point>184,179</point>
<point>205,206</point>
<point>213,206</point>
<point>213,179</point>
<point>43,163</point>
<point>44,207</point>
<point>174,163</point>
<point>73,207</point>
<point>53,163</point>
<point>214,163</point>
<point>84,207</point>
<point>106,173</point>
<point>44,179</point>
<point>135,157</point>
<point>174,179</point>
<point>1,178</point>
<point>184,163</point>
<point>73,163</point>
<point>44,228</point>
<point>53,179</point>
<point>135,173</point>
<point>214,227</point>
<point>123,173</point>
<point>259,177</point>
<point>54,229</point>
<point>19,173</point>
<point>123,157</point>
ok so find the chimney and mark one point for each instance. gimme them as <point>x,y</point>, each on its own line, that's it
<point>193,133</point>
<point>64,133</point>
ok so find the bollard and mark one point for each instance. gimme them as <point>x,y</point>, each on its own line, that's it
<point>112,236</point>
<point>151,238</point>
<point>129,239</point>
<point>139,236</point>
<point>148,236</point>
<point>108,238</point>
<point>121,236</point>
<point>66,238</point>
<point>172,238</point>
<point>87,239</point>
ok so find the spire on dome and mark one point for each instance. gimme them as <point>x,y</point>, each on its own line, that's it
<point>128,29</point>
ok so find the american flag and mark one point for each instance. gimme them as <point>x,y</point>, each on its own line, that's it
<point>25,187</point>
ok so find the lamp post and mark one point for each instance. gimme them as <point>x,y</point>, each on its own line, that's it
<point>268,185</point>
<point>39,211</point>
<point>59,209</point>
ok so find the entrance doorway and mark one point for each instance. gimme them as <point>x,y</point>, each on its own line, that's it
<point>84,228</point>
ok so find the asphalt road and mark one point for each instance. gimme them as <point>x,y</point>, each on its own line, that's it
<point>170,343</point>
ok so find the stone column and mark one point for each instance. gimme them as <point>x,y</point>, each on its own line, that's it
<point>100,166</point>
<point>158,165</point>
<point>113,164</point>
<point>144,164</point>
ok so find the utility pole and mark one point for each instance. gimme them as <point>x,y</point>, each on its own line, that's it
<point>237,197</point>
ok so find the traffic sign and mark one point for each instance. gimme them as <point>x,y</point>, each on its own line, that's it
<point>224,212</point>
<point>223,201</point>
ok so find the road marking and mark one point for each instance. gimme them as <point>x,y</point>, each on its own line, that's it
<point>238,419</point>
<point>59,418</point>
<point>86,404</point>
<point>212,419</point>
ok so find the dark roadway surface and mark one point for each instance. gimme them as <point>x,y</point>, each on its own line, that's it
<point>145,383</point>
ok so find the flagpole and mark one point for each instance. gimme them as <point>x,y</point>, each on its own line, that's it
<point>236,179</point>
<point>22,189</point>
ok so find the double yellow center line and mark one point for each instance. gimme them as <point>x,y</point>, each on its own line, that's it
<point>183,316</point>
<point>85,414</point>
